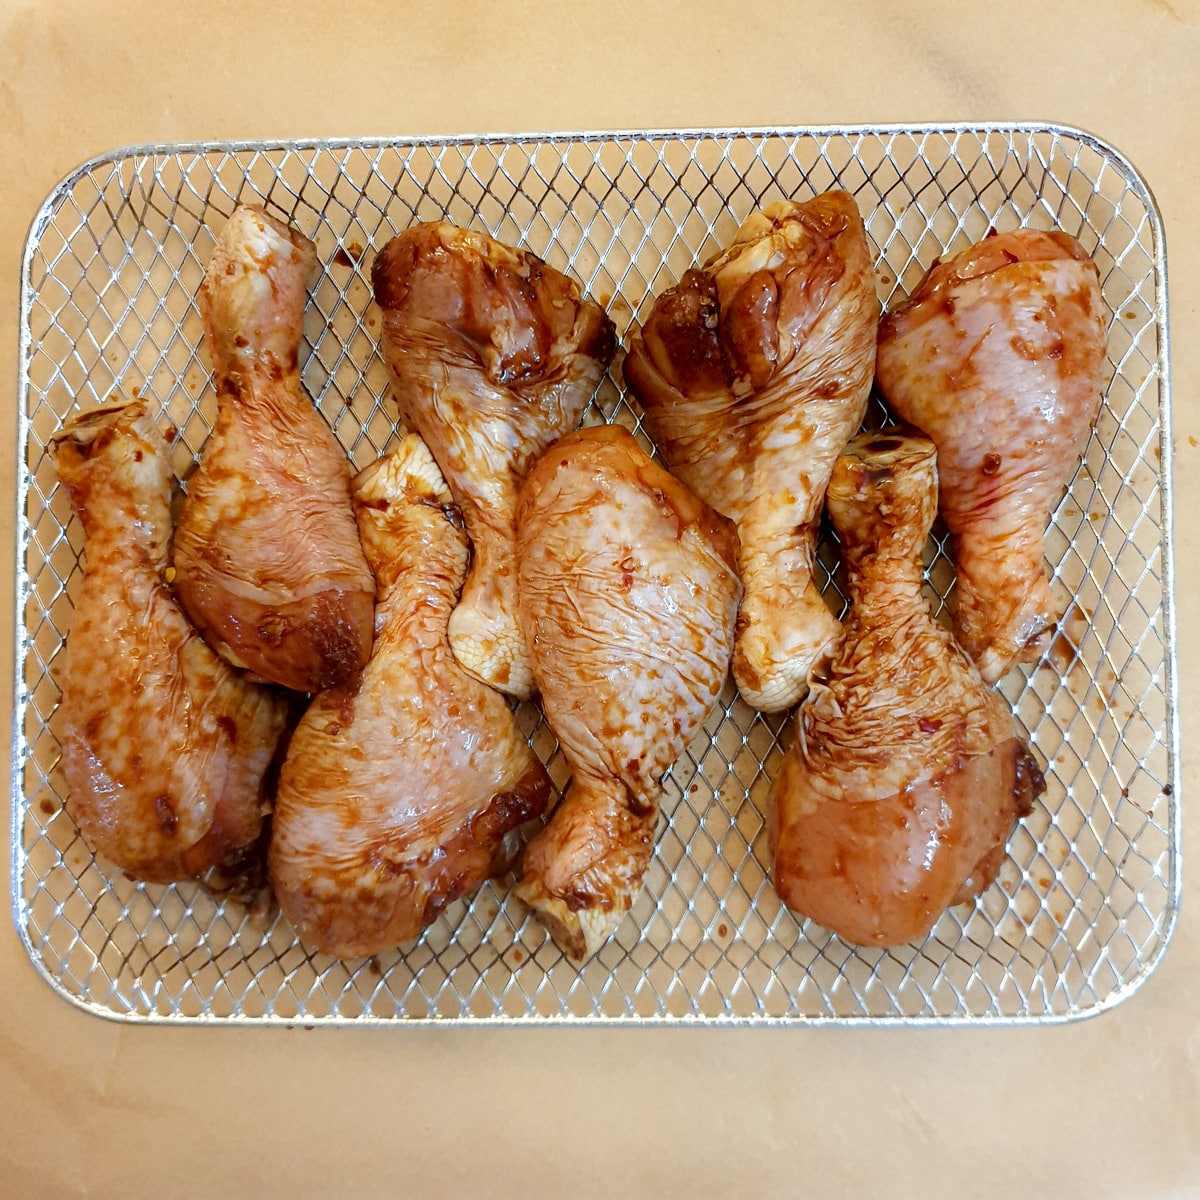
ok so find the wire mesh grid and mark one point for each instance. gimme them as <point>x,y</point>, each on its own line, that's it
<point>1086,901</point>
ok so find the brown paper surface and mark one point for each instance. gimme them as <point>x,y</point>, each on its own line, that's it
<point>1104,1107</point>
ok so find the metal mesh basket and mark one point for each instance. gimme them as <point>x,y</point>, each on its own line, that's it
<point>1086,901</point>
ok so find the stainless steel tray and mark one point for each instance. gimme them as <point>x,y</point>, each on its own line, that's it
<point>1087,901</point>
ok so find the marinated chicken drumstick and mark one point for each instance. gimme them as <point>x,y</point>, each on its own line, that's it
<point>752,375</point>
<point>628,595</point>
<point>266,553</point>
<point>908,773</point>
<point>999,357</point>
<point>164,747</point>
<point>402,789</point>
<point>494,354</point>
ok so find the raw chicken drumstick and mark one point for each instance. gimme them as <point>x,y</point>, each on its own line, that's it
<point>908,773</point>
<point>628,592</point>
<point>493,354</point>
<point>752,375</point>
<point>267,557</point>
<point>999,357</point>
<point>164,747</point>
<point>403,789</point>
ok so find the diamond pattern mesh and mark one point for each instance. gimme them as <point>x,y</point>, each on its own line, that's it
<point>1087,899</point>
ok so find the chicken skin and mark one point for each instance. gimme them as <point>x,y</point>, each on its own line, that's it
<point>268,562</point>
<point>164,747</point>
<point>999,357</point>
<point>493,355</point>
<point>908,773</point>
<point>402,789</point>
<point>752,375</point>
<point>628,597</point>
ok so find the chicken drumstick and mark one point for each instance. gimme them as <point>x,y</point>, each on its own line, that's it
<point>908,773</point>
<point>999,357</point>
<point>628,594</point>
<point>164,746</point>
<point>752,375</point>
<point>266,554</point>
<point>402,789</point>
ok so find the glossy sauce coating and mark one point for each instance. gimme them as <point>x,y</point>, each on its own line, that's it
<point>908,773</point>
<point>752,374</point>
<point>165,748</point>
